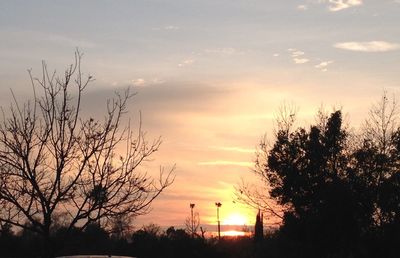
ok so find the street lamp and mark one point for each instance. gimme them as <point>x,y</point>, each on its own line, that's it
<point>192,221</point>
<point>218,204</point>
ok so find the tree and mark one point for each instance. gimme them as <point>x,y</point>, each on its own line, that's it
<point>53,159</point>
<point>259,227</point>
<point>121,226</point>
<point>307,172</point>
<point>337,191</point>
<point>381,141</point>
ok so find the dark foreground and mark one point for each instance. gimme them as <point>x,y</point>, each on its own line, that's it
<point>174,243</point>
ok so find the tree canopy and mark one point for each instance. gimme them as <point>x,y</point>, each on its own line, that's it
<point>335,190</point>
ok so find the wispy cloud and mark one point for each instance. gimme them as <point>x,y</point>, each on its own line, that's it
<point>223,51</point>
<point>70,41</point>
<point>144,82</point>
<point>323,66</point>
<point>298,56</point>
<point>167,27</point>
<point>226,163</point>
<point>139,82</point>
<point>234,149</point>
<point>186,62</point>
<point>171,27</point>
<point>368,46</point>
<point>297,53</point>
<point>338,5</point>
<point>302,7</point>
<point>300,60</point>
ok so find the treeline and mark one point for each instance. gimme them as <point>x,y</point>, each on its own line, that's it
<point>148,242</point>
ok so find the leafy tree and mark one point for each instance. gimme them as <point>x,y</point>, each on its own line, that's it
<point>338,191</point>
<point>307,172</point>
<point>55,160</point>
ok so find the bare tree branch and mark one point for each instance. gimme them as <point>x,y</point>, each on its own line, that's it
<point>54,161</point>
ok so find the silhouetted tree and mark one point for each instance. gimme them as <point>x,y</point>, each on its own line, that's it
<point>307,172</point>
<point>121,226</point>
<point>259,227</point>
<point>339,192</point>
<point>52,159</point>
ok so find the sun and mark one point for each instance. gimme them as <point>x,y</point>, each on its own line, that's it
<point>234,233</point>
<point>235,219</point>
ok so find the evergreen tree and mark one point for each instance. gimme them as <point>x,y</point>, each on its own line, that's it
<point>259,227</point>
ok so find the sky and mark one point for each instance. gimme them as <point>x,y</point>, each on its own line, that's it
<point>209,75</point>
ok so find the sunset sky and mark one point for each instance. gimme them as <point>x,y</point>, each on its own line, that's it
<point>209,74</point>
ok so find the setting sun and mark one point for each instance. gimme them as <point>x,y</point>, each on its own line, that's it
<point>234,233</point>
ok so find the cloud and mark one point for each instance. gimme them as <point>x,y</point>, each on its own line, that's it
<point>368,46</point>
<point>171,27</point>
<point>226,163</point>
<point>300,60</point>
<point>139,82</point>
<point>297,53</point>
<point>223,51</point>
<point>302,7</point>
<point>60,39</point>
<point>323,65</point>
<point>234,149</point>
<point>143,82</point>
<point>186,62</point>
<point>338,5</point>
<point>298,56</point>
<point>167,27</point>
<point>38,38</point>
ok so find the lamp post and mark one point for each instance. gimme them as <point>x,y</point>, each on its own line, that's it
<point>192,221</point>
<point>218,204</point>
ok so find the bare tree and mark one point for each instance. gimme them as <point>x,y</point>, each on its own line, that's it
<point>380,132</point>
<point>54,160</point>
<point>382,123</point>
<point>121,226</point>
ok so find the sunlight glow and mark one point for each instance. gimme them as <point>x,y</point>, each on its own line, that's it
<point>233,233</point>
<point>235,219</point>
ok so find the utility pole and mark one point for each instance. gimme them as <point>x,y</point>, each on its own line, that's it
<point>218,204</point>
<point>192,221</point>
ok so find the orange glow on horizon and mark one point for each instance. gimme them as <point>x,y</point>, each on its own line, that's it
<point>235,219</point>
<point>234,233</point>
